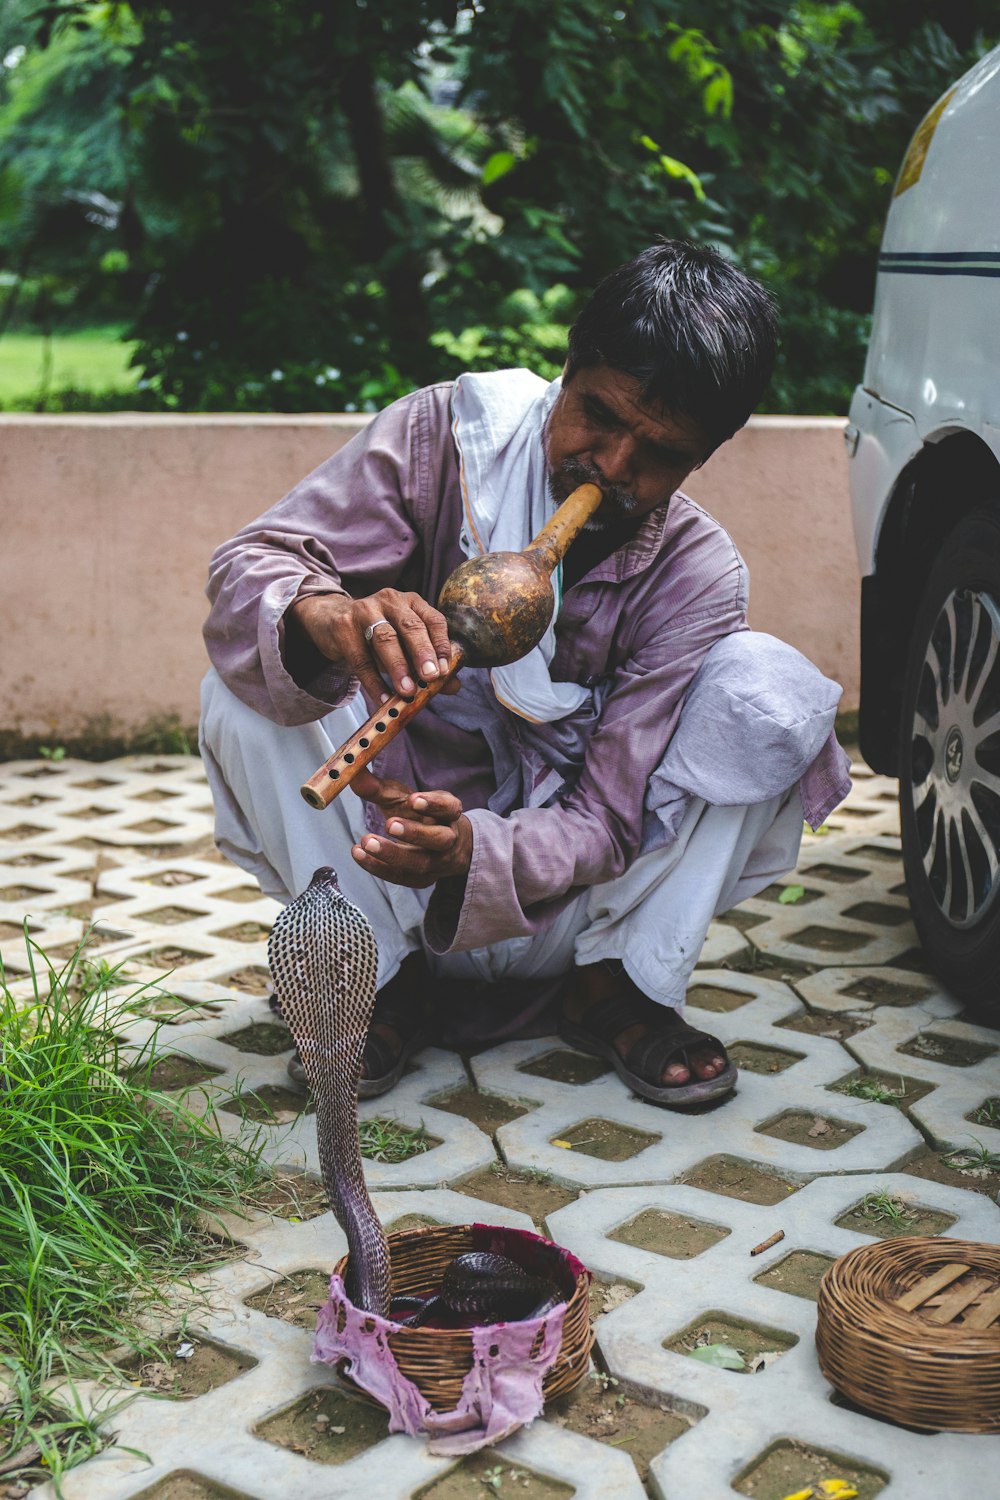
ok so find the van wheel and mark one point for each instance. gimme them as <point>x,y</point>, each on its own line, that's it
<point>949,789</point>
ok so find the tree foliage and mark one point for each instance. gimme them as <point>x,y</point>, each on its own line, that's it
<point>303,205</point>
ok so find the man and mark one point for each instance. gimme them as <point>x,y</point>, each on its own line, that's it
<point>574,821</point>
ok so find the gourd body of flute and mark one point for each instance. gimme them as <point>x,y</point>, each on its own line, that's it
<point>498,606</point>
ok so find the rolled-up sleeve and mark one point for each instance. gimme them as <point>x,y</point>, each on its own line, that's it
<point>351,527</point>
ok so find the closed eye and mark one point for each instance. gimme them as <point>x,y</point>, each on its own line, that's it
<point>602,415</point>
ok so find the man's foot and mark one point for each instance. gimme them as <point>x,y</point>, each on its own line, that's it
<point>397,1031</point>
<point>651,1047</point>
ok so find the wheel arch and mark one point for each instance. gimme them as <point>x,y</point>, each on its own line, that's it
<point>953,474</point>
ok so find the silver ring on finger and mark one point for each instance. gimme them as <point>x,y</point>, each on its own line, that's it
<point>370,629</point>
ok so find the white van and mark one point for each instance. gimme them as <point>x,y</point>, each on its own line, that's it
<point>924,440</point>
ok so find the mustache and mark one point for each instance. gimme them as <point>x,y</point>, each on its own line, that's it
<point>574,471</point>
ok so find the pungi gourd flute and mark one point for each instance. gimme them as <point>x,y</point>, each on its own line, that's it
<point>498,607</point>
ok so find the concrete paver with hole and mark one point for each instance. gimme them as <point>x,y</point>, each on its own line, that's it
<point>857,1074</point>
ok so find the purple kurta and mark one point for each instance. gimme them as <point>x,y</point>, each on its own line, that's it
<point>385,511</point>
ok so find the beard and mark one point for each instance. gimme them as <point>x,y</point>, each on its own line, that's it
<point>618,504</point>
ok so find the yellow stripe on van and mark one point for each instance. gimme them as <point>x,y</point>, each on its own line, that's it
<point>913,161</point>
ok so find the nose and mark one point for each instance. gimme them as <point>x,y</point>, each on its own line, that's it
<point>615,457</point>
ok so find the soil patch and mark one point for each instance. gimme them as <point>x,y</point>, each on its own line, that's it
<point>716,997</point>
<point>294,1299</point>
<point>803,1128</point>
<point>263,1038</point>
<point>828,939</point>
<point>887,1217</point>
<point>326,1426</point>
<point>172,877</point>
<point>187,1486</point>
<point>742,920</point>
<point>564,1066</point>
<point>290,1195</point>
<point>734,1178</point>
<point>533,1193</point>
<point>952,1051</point>
<point>753,1058</point>
<point>170,916</point>
<point>607,1140</point>
<point>932,1166</point>
<point>879,913</point>
<point>842,874</point>
<point>411,1221</point>
<point>676,1235</point>
<point>239,893</point>
<point>182,1375</point>
<point>599,1409</point>
<point>488,1111</point>
<point>987,1113</point>
<point>169,957</point>
<point>253,980</point>
<point>875,851</point>
<point>774,893</point>
<point>246,932</point>
<point>883,991</point>
<point>789,1467</point>
<point>873,1087</point>
<point>761,966</point>
<point>837,1027</point>
<point>175,1072</point>
<point>270,1105</point>
<point>747,1339</point>
<point>798,1274</point>
<point>487,1474</point>
<point>22,893</point>
<point>605,1296</point>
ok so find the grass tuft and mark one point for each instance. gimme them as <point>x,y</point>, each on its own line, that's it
<point>386,1140</point>
<point>104,1185</point>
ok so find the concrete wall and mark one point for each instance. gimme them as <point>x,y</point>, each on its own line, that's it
<point>108,523</point>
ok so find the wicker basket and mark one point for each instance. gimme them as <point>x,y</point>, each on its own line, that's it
<point>437,1360</point>
<point>910,1329</point>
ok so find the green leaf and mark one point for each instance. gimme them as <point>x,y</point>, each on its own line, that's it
<point>791,893</point>
<point>675,168</point>
<point>721,1356</point>
<point>498,165</point>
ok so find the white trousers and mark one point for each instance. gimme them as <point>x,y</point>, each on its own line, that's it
<point>653,918</point>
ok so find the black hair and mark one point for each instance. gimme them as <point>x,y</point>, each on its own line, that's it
<point>699,334</point>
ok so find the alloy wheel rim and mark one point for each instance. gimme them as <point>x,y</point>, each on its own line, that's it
<point>955,758</point>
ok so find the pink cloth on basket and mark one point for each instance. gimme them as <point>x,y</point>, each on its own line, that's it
<point>501,1392</point>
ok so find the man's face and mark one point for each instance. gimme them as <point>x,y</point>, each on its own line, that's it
<point>601,429</point>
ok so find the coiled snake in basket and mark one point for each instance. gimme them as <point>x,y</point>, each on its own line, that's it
<point>324,961</point>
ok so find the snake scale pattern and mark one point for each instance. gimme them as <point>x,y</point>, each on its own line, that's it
<point>324,963</point>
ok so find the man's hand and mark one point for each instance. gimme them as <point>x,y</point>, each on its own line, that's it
<point>428,837</point>
<point>410,641</point>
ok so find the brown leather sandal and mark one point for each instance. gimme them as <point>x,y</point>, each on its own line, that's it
<point>642,1066</point>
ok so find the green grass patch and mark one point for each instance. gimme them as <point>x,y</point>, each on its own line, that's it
<point>386,1140</point>
<point>88,359</point>
<point>105,1183</point>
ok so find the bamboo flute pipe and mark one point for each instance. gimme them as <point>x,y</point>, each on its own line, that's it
<point>498,607</point>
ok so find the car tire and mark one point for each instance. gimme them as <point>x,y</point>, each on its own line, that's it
<point>949,764</point>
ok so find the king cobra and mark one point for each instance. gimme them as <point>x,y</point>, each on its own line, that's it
<point>324,960</point>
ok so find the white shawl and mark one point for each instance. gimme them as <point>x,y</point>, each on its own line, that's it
<point>498,422</point>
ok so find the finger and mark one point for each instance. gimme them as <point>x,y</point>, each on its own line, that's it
<point>443,806</point>
<point>436,838</point>
<point>385,647</point>
<point>363,668</point>
<point>398,863</point>
<point>417,643</point>
<point>384,791</point>
<point>437,630</point>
